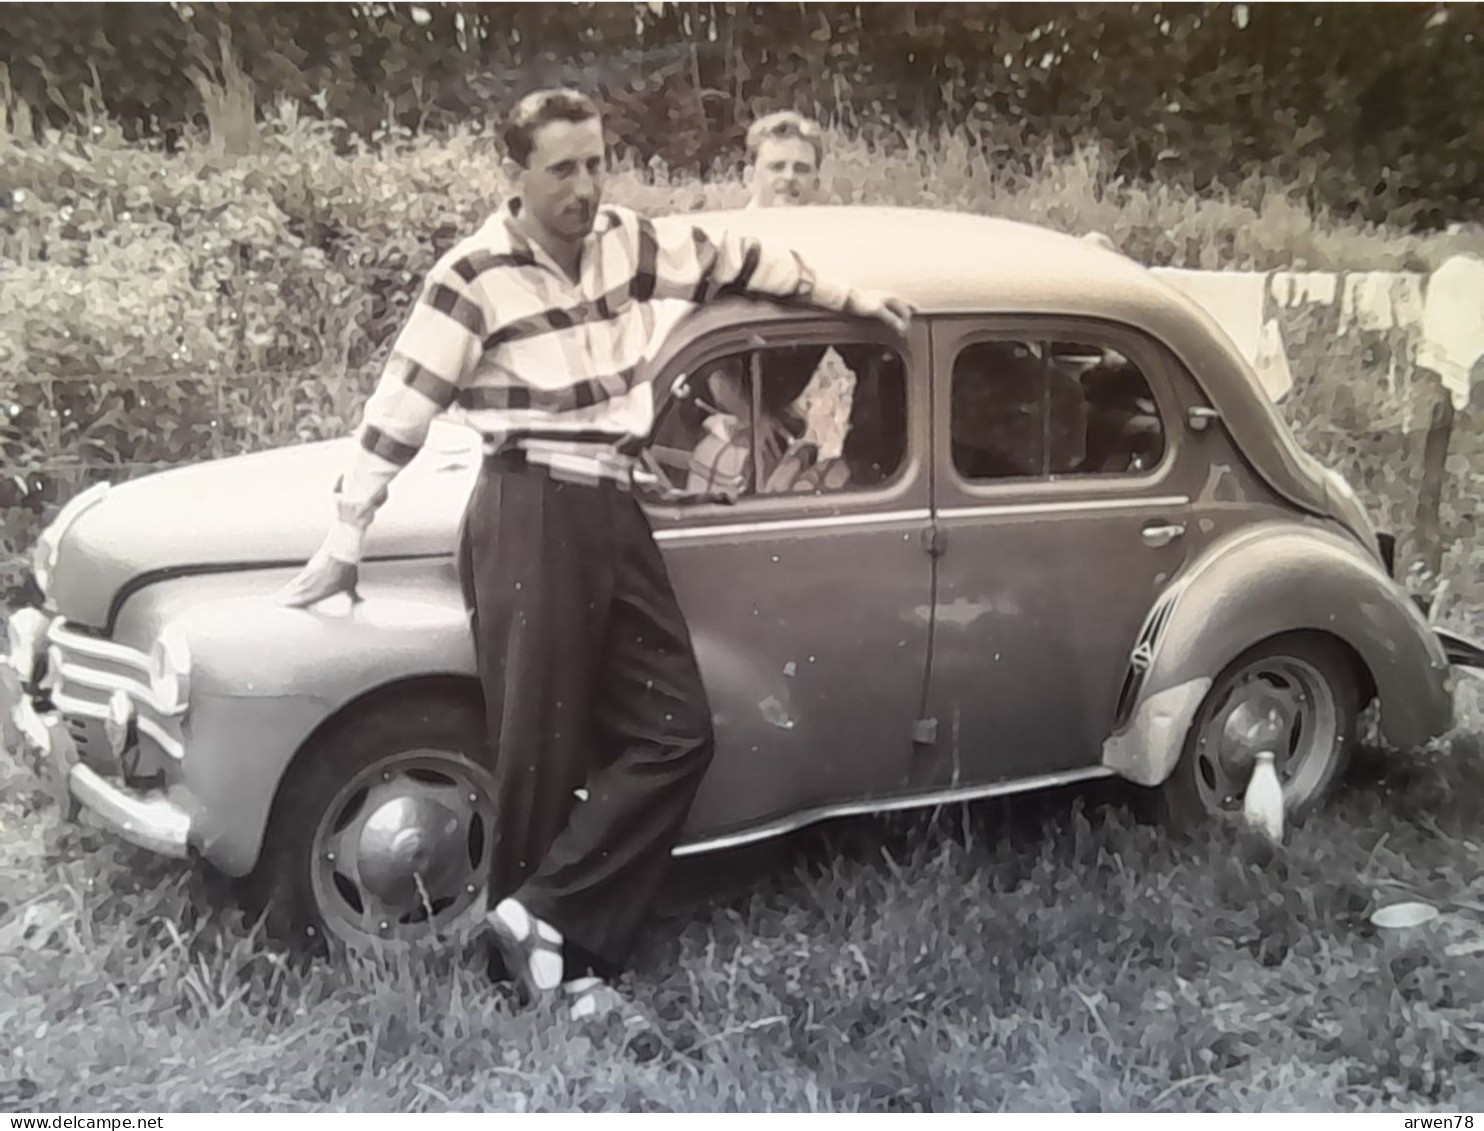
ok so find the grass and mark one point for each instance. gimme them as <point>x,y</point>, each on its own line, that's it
<point>1042,953</point>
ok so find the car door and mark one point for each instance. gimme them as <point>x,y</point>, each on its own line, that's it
<point>808,598</point>
<point>1062,498</point>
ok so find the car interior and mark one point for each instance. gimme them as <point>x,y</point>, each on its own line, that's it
<point>796,419</point>
<point>1037,409</point>
<point>815,419</point>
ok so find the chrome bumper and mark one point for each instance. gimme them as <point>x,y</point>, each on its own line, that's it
<point>148,819</point>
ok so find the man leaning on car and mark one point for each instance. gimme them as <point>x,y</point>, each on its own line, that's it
<point>536,326</point>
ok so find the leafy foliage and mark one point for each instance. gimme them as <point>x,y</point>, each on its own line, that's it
<point>167,307</point>
<point>1375,111</point>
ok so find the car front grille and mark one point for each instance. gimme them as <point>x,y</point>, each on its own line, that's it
<point>91,742</point>
<point>90,672</point>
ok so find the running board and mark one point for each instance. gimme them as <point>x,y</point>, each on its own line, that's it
<point>808,817</point>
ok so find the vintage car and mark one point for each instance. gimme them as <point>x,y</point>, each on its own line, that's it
<point>1058,533</point>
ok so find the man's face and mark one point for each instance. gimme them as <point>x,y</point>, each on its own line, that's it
<point>785,172</point>
<point>562,183</point>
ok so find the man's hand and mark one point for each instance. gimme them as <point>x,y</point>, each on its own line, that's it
<point>887,308</point>
<point>323,577</point>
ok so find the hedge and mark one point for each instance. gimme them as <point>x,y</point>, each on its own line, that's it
<point>167,307</point>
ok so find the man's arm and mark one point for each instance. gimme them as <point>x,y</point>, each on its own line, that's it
<point>699,268</point>
<point>430,360</point>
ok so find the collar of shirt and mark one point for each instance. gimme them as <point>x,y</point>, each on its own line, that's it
<point>503,222</point>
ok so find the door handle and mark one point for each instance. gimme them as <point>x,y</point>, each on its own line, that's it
<point>1162,534</point>
<point>1202,417</point>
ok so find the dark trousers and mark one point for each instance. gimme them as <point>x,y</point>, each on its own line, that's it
<point>590,683</point>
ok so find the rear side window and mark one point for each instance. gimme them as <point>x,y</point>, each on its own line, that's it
<point>1033,409</point>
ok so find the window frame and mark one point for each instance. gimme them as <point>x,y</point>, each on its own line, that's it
<point>811,329</point>
<point>1153,361</point>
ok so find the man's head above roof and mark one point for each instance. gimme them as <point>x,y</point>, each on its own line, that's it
<point>785,150</point>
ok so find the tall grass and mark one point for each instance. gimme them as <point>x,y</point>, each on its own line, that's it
<point>1041,953</point>
<point>229,102</point>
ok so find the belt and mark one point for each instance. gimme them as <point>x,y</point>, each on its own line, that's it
<point>516,461</point>
<point>624,445</point>
<point>509,458</point>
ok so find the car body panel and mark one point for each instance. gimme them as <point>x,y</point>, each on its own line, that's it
<point>811,708</point>
<point>848,643</point>
<point>828,709</point>
<point>1008,656</point>
<point>1277,577</point>
<point>265,678</point>
<point>251,511</point>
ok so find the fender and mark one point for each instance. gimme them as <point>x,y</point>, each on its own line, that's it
<point>1265,581</point>
<point>265,678</point>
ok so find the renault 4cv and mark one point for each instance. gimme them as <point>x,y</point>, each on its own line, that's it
<point>1057,533</point>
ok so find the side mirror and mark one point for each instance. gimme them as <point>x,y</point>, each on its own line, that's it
<point>1201,417</point>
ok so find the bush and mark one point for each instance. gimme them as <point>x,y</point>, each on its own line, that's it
<point>1380,120</point>
<point>162,307</point>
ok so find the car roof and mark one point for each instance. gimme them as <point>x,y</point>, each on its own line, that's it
<point>945,262</point>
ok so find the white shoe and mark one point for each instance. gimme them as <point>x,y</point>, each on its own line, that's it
<point>591,997</point>
<point>531,947</point>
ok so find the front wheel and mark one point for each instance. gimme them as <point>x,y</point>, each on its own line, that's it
<point>382,830</point>
<point>1296,696</point>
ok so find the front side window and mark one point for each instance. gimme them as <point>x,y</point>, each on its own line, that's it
<point>785,420</point>
<point>1031,409</point>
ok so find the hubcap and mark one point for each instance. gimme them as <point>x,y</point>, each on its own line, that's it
<point>403,848</point>
<point>1282,704</point>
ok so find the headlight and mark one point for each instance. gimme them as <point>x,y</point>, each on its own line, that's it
<point>25,632</point>
<point>170,672</point>
<point>44,559</point>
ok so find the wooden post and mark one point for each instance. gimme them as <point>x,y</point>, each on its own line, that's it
<point>1434,474</point>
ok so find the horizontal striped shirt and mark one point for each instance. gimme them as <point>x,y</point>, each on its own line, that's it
<point>503,338</point>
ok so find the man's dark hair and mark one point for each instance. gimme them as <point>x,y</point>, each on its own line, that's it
<point>536,110</point>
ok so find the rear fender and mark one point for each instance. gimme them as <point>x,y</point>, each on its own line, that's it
<point>1267,581</point>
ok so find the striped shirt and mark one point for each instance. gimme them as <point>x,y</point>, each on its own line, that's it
<point>503,337</point>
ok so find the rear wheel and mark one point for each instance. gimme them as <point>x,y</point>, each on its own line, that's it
<point>382,829</point>
<point>1294,695</point>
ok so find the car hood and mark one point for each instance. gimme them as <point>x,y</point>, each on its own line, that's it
<point>266,509</point>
